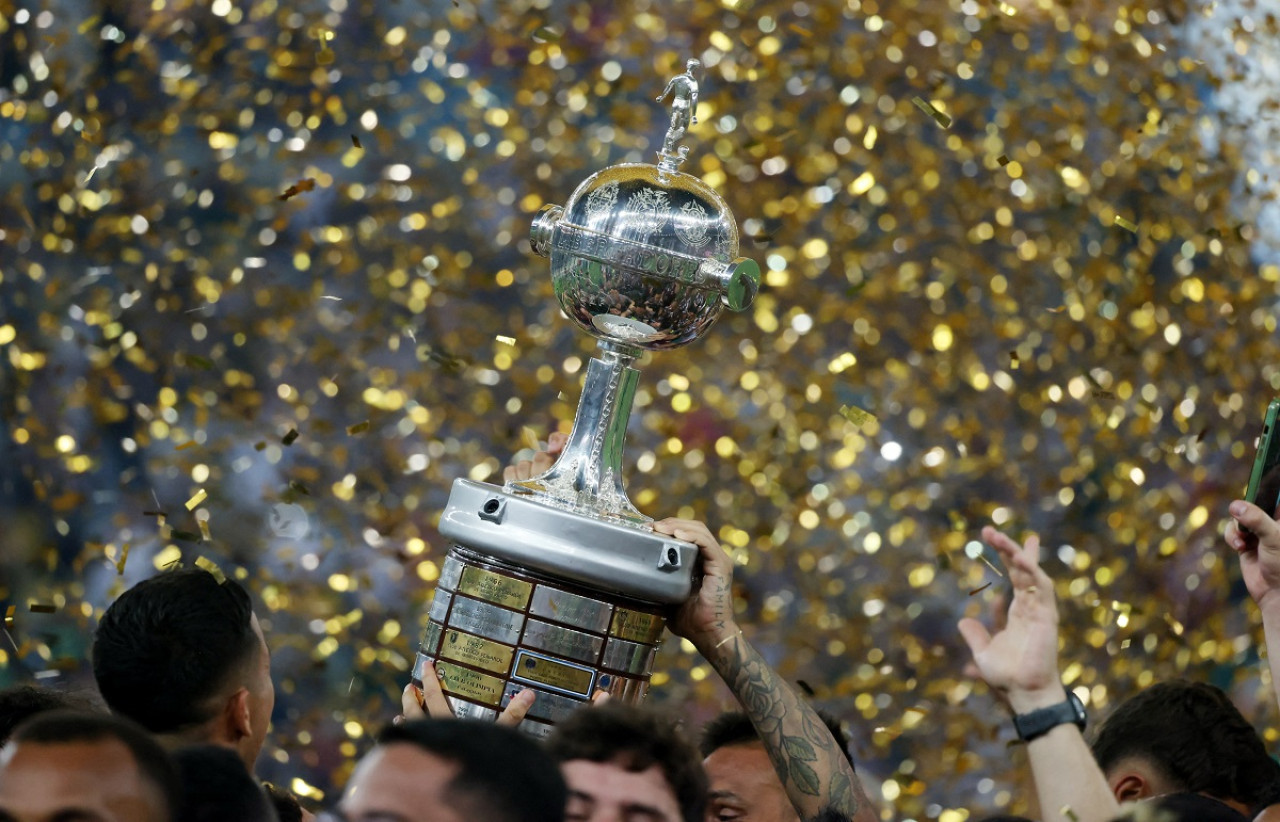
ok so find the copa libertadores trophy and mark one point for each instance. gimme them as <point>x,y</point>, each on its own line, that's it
<point>558,583</point>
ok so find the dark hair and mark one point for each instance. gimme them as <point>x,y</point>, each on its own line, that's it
<point>1181,807</point>
<point>64,727</point>
<point>1192,734</point>
<point>216,787</point>
<point>735,728</point>
<point>23,701</point>
<point>503,775</point>
<point>169,644</point>
<point>635,738</point>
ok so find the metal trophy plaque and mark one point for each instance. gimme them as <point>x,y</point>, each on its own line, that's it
<point>558,583</point>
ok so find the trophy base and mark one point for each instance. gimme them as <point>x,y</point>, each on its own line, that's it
<point>495,629</point>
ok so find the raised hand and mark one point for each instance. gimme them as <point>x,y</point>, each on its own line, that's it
<point>1255,537</point>
<point>707,616</point>
<point>1021,659</point>
<point>430,702</point>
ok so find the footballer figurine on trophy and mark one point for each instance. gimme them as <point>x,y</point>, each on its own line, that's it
<point>557,583</point>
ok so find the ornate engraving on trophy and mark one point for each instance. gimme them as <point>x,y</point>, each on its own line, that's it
<point>497,588</point>
<point>478,651</point>
<point>456,679</point>
<point>553,673</point>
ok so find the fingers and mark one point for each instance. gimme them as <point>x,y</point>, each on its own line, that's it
<point>540,463</point>
<point>600,697</point>
<point>411,703</point>
<point>1235,537</point>
<point>1257,521</point>
<point>975,635</point>
<point>556,443</point>
<point>432,695</point>
<point>517,708</point>
<point>688,530</point>
<point>1023,561</point>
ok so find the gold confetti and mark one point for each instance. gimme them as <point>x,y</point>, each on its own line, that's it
<point>1126,224</point>
<point>856,415</point>
<point>506,340</point>
<point>977,591</point>
<point>358,428</point>
<point>199,497</point>
<point>8,616</point>
<point>42,608</point>
<point>290,437</point>
<point>1003,160</point>
<point>939,117</point>
<point>529,438</point>
<point>124,557</point>
<point>305,184</point>
<point>186,445</point>
<point>212,567</point>
<point>355,141</point>
<point>1013,360</point>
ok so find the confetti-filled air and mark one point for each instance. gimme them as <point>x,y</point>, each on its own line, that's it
<point>266,290</point>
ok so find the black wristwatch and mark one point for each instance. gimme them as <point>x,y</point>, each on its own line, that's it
<point>1039,722</point>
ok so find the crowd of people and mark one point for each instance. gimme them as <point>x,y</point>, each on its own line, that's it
<point>185,696</point>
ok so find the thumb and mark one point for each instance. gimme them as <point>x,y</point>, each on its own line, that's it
<point>975,635</point>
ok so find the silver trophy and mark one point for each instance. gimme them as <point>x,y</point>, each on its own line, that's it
<point>558,583</point>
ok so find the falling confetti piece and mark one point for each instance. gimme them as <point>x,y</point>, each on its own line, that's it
<point>8,616</point>
<point>1013,360</point>
<point>290,437</point>
<point>1003,160</point>
<point>546,35</point>
<point>986,561</point>
<point>42,608</point>
<point>124,557</point>
<point>927,107</point>
<point>1126,224</point>
<point>185,536</point>
<point>355,141</point>
<point>199,497</point>
<point>212,567</point>
<point>186,445</point>
<point>204,530</point>
<point>358,428</point>
<point>506,340</point>
<point>529,438</point>
<point>856,415</point>
<point>299,487</point>
<point>305,184</point>
<point>977,591</point>
<point>1070,814</point>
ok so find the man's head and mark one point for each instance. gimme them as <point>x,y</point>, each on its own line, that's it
<point>85,766</point>
<point>743,781</point>
<point>183,655</point>
<point>621,759</point>
<point>216,787</point>
<point>21,702</point>
<point>1181,736</point>
<point>451,770</point>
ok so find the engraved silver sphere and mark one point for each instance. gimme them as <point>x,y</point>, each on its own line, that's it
<point>645,256</point>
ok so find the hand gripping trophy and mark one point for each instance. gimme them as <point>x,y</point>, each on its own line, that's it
<point>558,583</point>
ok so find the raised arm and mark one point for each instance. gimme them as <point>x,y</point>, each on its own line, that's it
<point>1021,662</point>
<point>1255,537</point>
<point>813,770</point>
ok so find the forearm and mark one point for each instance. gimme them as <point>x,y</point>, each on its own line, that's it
<point>1271,631</point>
<point>809,762</point>
<point>1069,784</point>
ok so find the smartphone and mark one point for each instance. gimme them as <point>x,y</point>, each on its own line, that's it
<point>1264,480</point>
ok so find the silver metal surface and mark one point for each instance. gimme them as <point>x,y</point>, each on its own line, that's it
<point>463,709</point>
<point>537,730</point>
<point>450,572</point>
<point>572,609</point>
<point>563,641</point>
<point>683,90</point>
<point>486,620</point>
<point>546,705</point>
<point>598,554</point>
<point>440,605</point>
<point>628,657</point>
<point>430,637</point>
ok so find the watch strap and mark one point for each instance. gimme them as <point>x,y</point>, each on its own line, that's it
<point>1037,723</point>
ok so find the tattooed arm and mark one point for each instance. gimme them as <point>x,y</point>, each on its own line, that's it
<point>805,755</point>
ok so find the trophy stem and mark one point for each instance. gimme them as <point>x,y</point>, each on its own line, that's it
<point>587,477</point>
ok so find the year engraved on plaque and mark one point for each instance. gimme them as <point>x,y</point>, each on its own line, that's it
<point>560,676</point>
<point>469,683</point>
<point>636,625</point>
<point>477,651</point>
<point>504,590</point>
